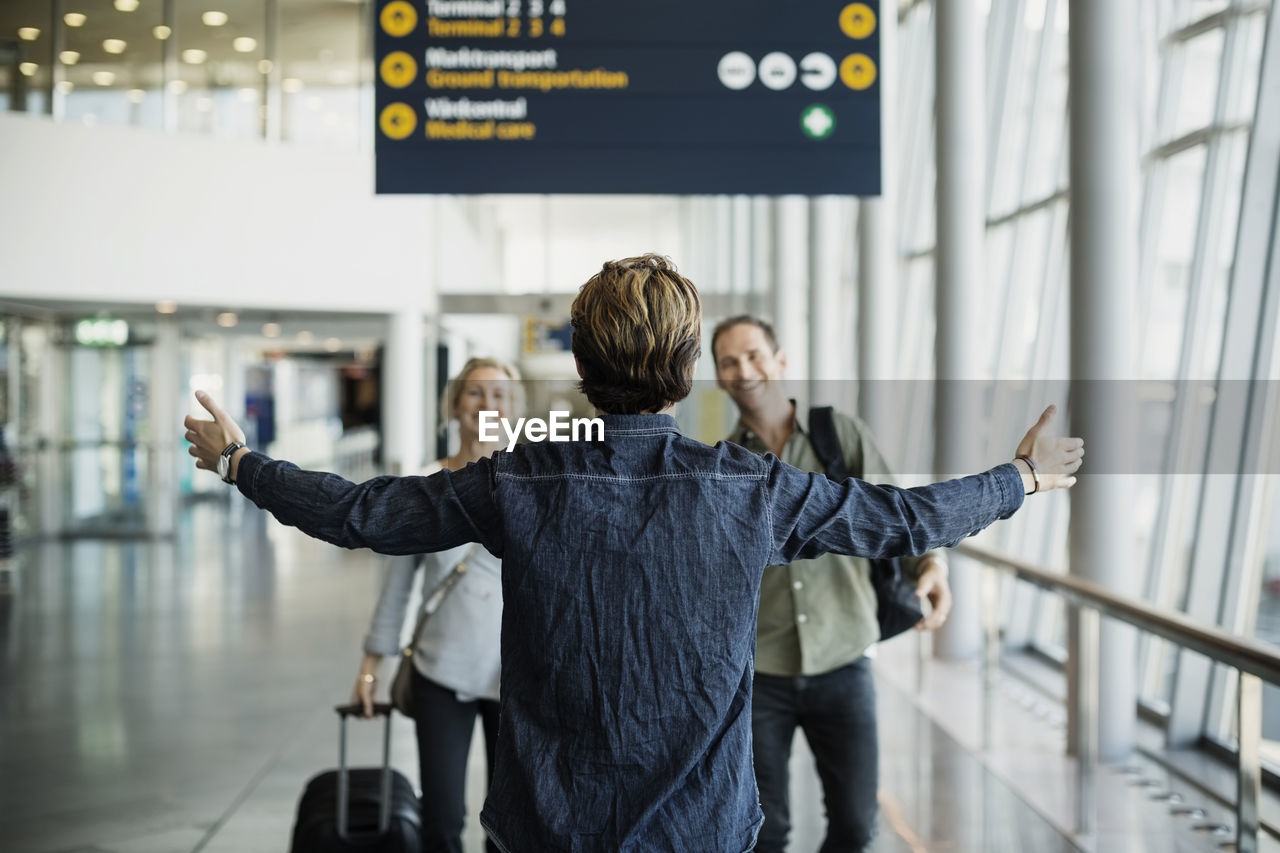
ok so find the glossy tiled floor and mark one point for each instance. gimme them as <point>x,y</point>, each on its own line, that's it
<point>174,697</point>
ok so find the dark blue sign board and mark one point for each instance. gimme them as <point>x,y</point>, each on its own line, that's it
<point>628,96</point>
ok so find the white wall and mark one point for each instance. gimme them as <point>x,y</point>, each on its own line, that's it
<point>128,215</point>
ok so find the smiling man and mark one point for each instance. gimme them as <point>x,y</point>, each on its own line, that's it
<point>817,617</point>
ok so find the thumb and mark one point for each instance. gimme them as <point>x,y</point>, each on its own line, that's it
<point>203,398</point>
<point>1045,418</point>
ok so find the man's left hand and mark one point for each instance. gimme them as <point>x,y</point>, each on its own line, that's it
<point>934,586</point>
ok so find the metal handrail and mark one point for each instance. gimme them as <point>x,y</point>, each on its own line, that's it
<point>1243,653</point>
<point>1255,662</point>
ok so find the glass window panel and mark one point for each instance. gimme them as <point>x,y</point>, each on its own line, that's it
<point>1235,149</point>
<point>1175,240</point>
<point>1242,102</point>
<point>1201,59</point>
<point>1011,135</point>
<point>118,55</point>
<point>1046,142</point>
<point>322,48</point>
<point>916,311</point>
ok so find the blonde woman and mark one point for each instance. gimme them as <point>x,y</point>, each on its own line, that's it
<point>456,657</point>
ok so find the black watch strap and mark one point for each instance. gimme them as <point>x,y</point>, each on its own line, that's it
<point>226,463</point>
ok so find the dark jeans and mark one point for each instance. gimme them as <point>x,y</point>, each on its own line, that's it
<point>837,713</point>
<point>444,739</point>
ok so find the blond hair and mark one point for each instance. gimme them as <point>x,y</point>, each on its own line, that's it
<point>453,391</point>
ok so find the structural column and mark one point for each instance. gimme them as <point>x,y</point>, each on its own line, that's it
<point>877,255</point>
<point>961,156</point>
<point>1104,234</point>
<point>165,404</point>
<point>404,393</point>
<point>829,350</point>
<point>791,288</point>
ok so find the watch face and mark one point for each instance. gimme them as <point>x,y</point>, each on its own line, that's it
<point>224,465</point>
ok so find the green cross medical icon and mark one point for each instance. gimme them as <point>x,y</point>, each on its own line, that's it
<point>817,121</point>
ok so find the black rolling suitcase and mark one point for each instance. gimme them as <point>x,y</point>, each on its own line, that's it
<point>371,809</point>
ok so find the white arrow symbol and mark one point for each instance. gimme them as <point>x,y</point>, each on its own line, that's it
<point>818,71</point>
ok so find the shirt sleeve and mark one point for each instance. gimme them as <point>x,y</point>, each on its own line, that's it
<point>866,460</point>
<point>811,515</point>
<point>388,617</point>
<point>390,515</point>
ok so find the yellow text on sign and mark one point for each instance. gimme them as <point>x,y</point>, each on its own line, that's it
<point>858,71</point>
<point>398,69</point>
<point>398,18</point>
<point>491,129</point>
<point>398,120</point>
<point>857,20</point>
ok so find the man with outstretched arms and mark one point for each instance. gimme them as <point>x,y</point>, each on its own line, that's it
<point>630,571</point>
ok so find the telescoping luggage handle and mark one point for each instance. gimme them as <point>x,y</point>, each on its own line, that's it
<point>384,804</point>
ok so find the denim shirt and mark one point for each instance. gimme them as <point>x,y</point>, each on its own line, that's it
<point>630,573</point>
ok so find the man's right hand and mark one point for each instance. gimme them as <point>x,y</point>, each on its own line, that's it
<point>209,438</point>
<point>1055,458</point>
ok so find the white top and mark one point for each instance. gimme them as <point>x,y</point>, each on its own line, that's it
<point>459,644</point>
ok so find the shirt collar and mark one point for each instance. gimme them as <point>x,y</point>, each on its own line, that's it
<point>639,424</point>
<point>742,435</point>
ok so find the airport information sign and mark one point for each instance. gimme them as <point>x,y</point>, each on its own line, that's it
<point>627,96</point>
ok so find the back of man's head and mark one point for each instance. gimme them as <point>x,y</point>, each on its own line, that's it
<point>637,328</point>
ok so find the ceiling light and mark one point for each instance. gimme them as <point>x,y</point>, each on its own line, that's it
<point>28,33</point>
<point>227,319</point>
<point>73,19</point>
<point>137,96</point>
<point>194,56</point>
<point>265,66</point>
<point>64,87</point>
<point>247,95</point>
<point>271,330</point>
<point>126,5</point>
<point>292,85</point>
<point>28,69</point>
<point>214,19</point>
<point>244,44</point>
<point>177,87</point>
<point>304,338</point>
<point>166,306</point>
<point>104,78</point>
<point>332,344</point>
<point>113,45</point>
<point>161,32</point>
<point>69,57</point>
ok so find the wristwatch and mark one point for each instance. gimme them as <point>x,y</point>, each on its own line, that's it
<point>224,462</point>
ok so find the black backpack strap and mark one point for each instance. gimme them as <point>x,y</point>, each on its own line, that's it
<point>825,442</point>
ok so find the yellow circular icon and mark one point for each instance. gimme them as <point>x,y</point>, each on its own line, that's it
<point>398,69</point>
<point>398,120</point>
<point>858,71</point>
<point>857,20</point>
<point>398,18</point>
